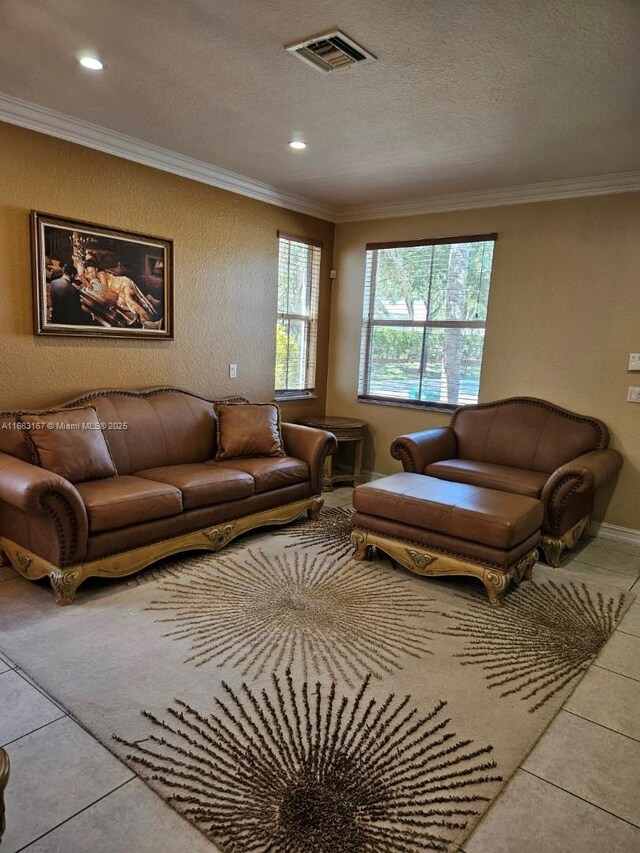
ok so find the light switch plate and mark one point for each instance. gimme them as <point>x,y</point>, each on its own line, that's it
<point>633,395</point>
<point>634,361</point>
<point>233,371</point>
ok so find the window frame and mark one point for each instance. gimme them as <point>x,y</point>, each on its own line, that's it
<point>310,320</point>
<point>369,323</point>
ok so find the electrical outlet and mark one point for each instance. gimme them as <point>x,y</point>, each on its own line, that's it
<point>634,361</point>
<point>233,371</point>
<point>633,395</point>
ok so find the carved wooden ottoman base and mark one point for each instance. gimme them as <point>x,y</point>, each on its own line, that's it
<point>422,561</point>
<point>438,527</point>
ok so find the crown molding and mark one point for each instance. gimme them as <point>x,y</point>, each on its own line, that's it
<point>47,121</point>
<point>61,126</point>
<point>525,194</point>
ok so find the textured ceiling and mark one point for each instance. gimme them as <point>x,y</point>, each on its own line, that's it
<point>465,95</point>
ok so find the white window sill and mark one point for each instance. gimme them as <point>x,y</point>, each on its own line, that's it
<point>287,397</point>
<point>445,408</point>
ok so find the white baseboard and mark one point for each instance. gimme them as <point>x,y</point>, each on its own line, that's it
<point>368,476</point>
<point>613,531</point>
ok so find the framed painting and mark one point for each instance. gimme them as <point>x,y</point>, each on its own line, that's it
<point>89,279</point>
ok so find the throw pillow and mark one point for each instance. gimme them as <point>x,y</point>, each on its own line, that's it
<point>70,443</point>
<point>248,429</point>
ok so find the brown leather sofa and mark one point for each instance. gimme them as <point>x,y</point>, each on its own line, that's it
<point>169,495</point>
<point>525,446</point>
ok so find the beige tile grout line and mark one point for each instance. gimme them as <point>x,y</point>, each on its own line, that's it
<point>71,817</point>
<point>33,731</point>
<point>600,725</point>
<point>626,633</point>
<point>614,671</point>
<point>553,785</point>
<point>578,797</point>
<point>25,677</point>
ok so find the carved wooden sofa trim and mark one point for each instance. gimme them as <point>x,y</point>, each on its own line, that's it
<point>435,527</point>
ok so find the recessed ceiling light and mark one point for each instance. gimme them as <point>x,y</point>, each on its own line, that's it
<point>297,144</point>
<point>91,62</point>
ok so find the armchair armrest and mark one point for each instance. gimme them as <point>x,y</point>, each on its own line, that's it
<point>36,491</point>
<point>312,446</point>
<point>584,474</point>
<point>416,450</point>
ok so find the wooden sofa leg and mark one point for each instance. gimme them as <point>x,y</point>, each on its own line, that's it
<point>554,547</point>
<point>314,511</point>
<point>64,583</point>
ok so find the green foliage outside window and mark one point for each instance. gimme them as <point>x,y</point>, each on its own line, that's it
<point>426,321</point>
<point>287,359</point>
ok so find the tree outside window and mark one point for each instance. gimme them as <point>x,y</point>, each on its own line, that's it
<point>296,329</point>
<point>424,317</point>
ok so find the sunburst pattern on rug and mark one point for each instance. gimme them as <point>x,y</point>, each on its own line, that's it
<point>542,638</point>
<point>256,611</point>
<point>330,531</point>
<point>306,771</point>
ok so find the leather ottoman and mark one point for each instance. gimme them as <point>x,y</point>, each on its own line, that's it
<point>438,527</point>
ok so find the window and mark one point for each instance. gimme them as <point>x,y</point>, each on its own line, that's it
<point>425,308</point>
<point>297,328</point>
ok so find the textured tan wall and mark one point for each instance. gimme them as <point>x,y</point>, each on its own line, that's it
<point>564,313</point>
<point>226,255</point>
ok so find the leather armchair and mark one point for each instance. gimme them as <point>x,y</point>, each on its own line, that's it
<point>525,446</point>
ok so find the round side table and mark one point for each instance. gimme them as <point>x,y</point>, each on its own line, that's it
<point>344,429</point>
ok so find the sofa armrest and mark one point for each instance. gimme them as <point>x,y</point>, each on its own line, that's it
<point>36,491</point>
<point>581,476</point>
<point>416,450</point>
<point>312,446</point>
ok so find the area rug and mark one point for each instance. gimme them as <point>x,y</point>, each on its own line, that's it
<point>284,697</point>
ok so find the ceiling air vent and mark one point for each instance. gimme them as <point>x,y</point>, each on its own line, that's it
<point>331,52</point>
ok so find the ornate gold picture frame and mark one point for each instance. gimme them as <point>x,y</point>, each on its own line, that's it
<point>89,279</point>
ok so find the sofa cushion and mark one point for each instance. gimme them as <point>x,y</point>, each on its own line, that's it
<point>121,501</point>
<point>491,476</point>
<point>156,427</point>
<point>11,439</point>
<point>269,473</point>
<point>248,429</point>
<point>487,516</point>
<point>203,485</point>
<point>69,443</point>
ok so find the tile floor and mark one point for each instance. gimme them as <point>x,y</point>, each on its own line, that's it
<point>578,791</point>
